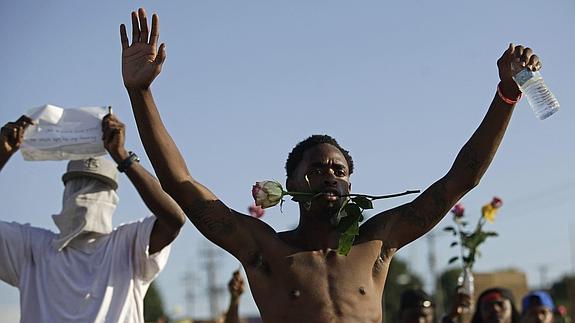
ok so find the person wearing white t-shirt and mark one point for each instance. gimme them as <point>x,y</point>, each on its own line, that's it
<point>89,272</point>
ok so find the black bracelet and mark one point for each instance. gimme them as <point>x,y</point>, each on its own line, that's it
<point>126,163</point>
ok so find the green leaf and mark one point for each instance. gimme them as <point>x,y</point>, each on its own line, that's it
<point>453,244</point>
<point>348,225</point>
<point>345,243</point>
<point>452,260</point>
<point>349,228</point>
<point>346,239</point>
<point>450,229</point>
<point>352,210</point>
<point>363,202</point>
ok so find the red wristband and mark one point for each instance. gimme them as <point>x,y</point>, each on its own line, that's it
<point>506,99</point>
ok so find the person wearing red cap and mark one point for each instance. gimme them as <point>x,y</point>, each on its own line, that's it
<point>496,305</point>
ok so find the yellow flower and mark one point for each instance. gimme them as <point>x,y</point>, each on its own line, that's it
<point>488,212</point>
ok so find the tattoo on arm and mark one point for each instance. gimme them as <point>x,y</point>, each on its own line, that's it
<point>212,218</point>
<point>424,216</point>
<point>414,217</point>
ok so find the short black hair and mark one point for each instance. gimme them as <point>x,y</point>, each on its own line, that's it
<point>296,155</point>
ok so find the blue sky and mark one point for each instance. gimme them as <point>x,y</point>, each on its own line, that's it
<point>401,84</point>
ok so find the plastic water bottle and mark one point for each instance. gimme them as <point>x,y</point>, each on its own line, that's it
<point>466,285</point>
<point>540,98</point>
<point>465,282</point>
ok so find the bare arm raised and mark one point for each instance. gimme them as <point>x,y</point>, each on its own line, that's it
<point>169,216</point>
<point>141,63</point>
<point>399,226</point>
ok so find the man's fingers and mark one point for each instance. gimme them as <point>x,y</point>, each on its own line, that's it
<point>124,37</point>
<point>161,57</point>
<point>24,119</point>
<point>534,63</point>
<point>110,133</point>
<point>14,131</point>
<point>135,28</point>
<point>526,56</point>
<point>111,119</point>
<point>538,66</point>
<point>113,125</point>
<point>518,54</point>
<point>143,25</point>
<point>14,135</point>
<point>155,35</point>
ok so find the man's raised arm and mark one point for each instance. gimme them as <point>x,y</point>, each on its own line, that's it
<point>169,216</point>
<point>399,226</point>
<point>141,63</point>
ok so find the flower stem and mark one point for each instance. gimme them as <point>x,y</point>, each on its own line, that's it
<point>378,197</point>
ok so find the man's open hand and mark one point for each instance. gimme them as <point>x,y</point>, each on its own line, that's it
<point>141,61</point>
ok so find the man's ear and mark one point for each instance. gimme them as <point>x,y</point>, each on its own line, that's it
<point>349,187</point>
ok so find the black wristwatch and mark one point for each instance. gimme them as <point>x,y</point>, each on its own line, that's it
<point>126,163</point>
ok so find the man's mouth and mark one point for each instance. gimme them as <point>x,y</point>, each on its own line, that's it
<point>331,195</point>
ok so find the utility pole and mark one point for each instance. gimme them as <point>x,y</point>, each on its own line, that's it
<point>435,283</point>
<point>543,269</point>
<point>189,281</point>
<point>210,255</point>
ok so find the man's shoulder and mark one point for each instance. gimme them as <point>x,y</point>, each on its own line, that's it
<point>141,221</point>
<point>134,226</point>
<point>27,227</point>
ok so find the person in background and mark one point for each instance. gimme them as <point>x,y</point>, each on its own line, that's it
<point>415,306</point>
<point>537,307</point>
<point>89,271</point>
<point>236,289</point>
<point>496,305</point>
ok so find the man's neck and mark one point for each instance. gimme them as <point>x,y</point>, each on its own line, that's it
<point>315,233</point>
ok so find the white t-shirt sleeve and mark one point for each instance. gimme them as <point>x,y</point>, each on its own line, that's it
<point>148,266</point>
<point>14,251</point>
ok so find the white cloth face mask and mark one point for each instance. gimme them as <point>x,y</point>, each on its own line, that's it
<point>87,207</point>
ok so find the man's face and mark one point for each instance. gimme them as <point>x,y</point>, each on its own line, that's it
<point>417,315</point>
<point>537,314</point>
<point>323,169</point>
<point>496,310</point>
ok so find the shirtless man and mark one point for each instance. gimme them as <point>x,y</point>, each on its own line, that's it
<point>297,276</point>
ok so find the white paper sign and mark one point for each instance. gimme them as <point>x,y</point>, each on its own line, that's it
<point>64,134</point>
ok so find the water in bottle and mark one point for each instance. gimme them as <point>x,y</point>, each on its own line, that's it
<point>466,285</point>
<point>465,282</point>
<point>540,98</point>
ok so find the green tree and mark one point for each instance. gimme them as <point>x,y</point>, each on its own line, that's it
<point>399,278</point>
<point>153,304</point>
<point>562,290</point>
